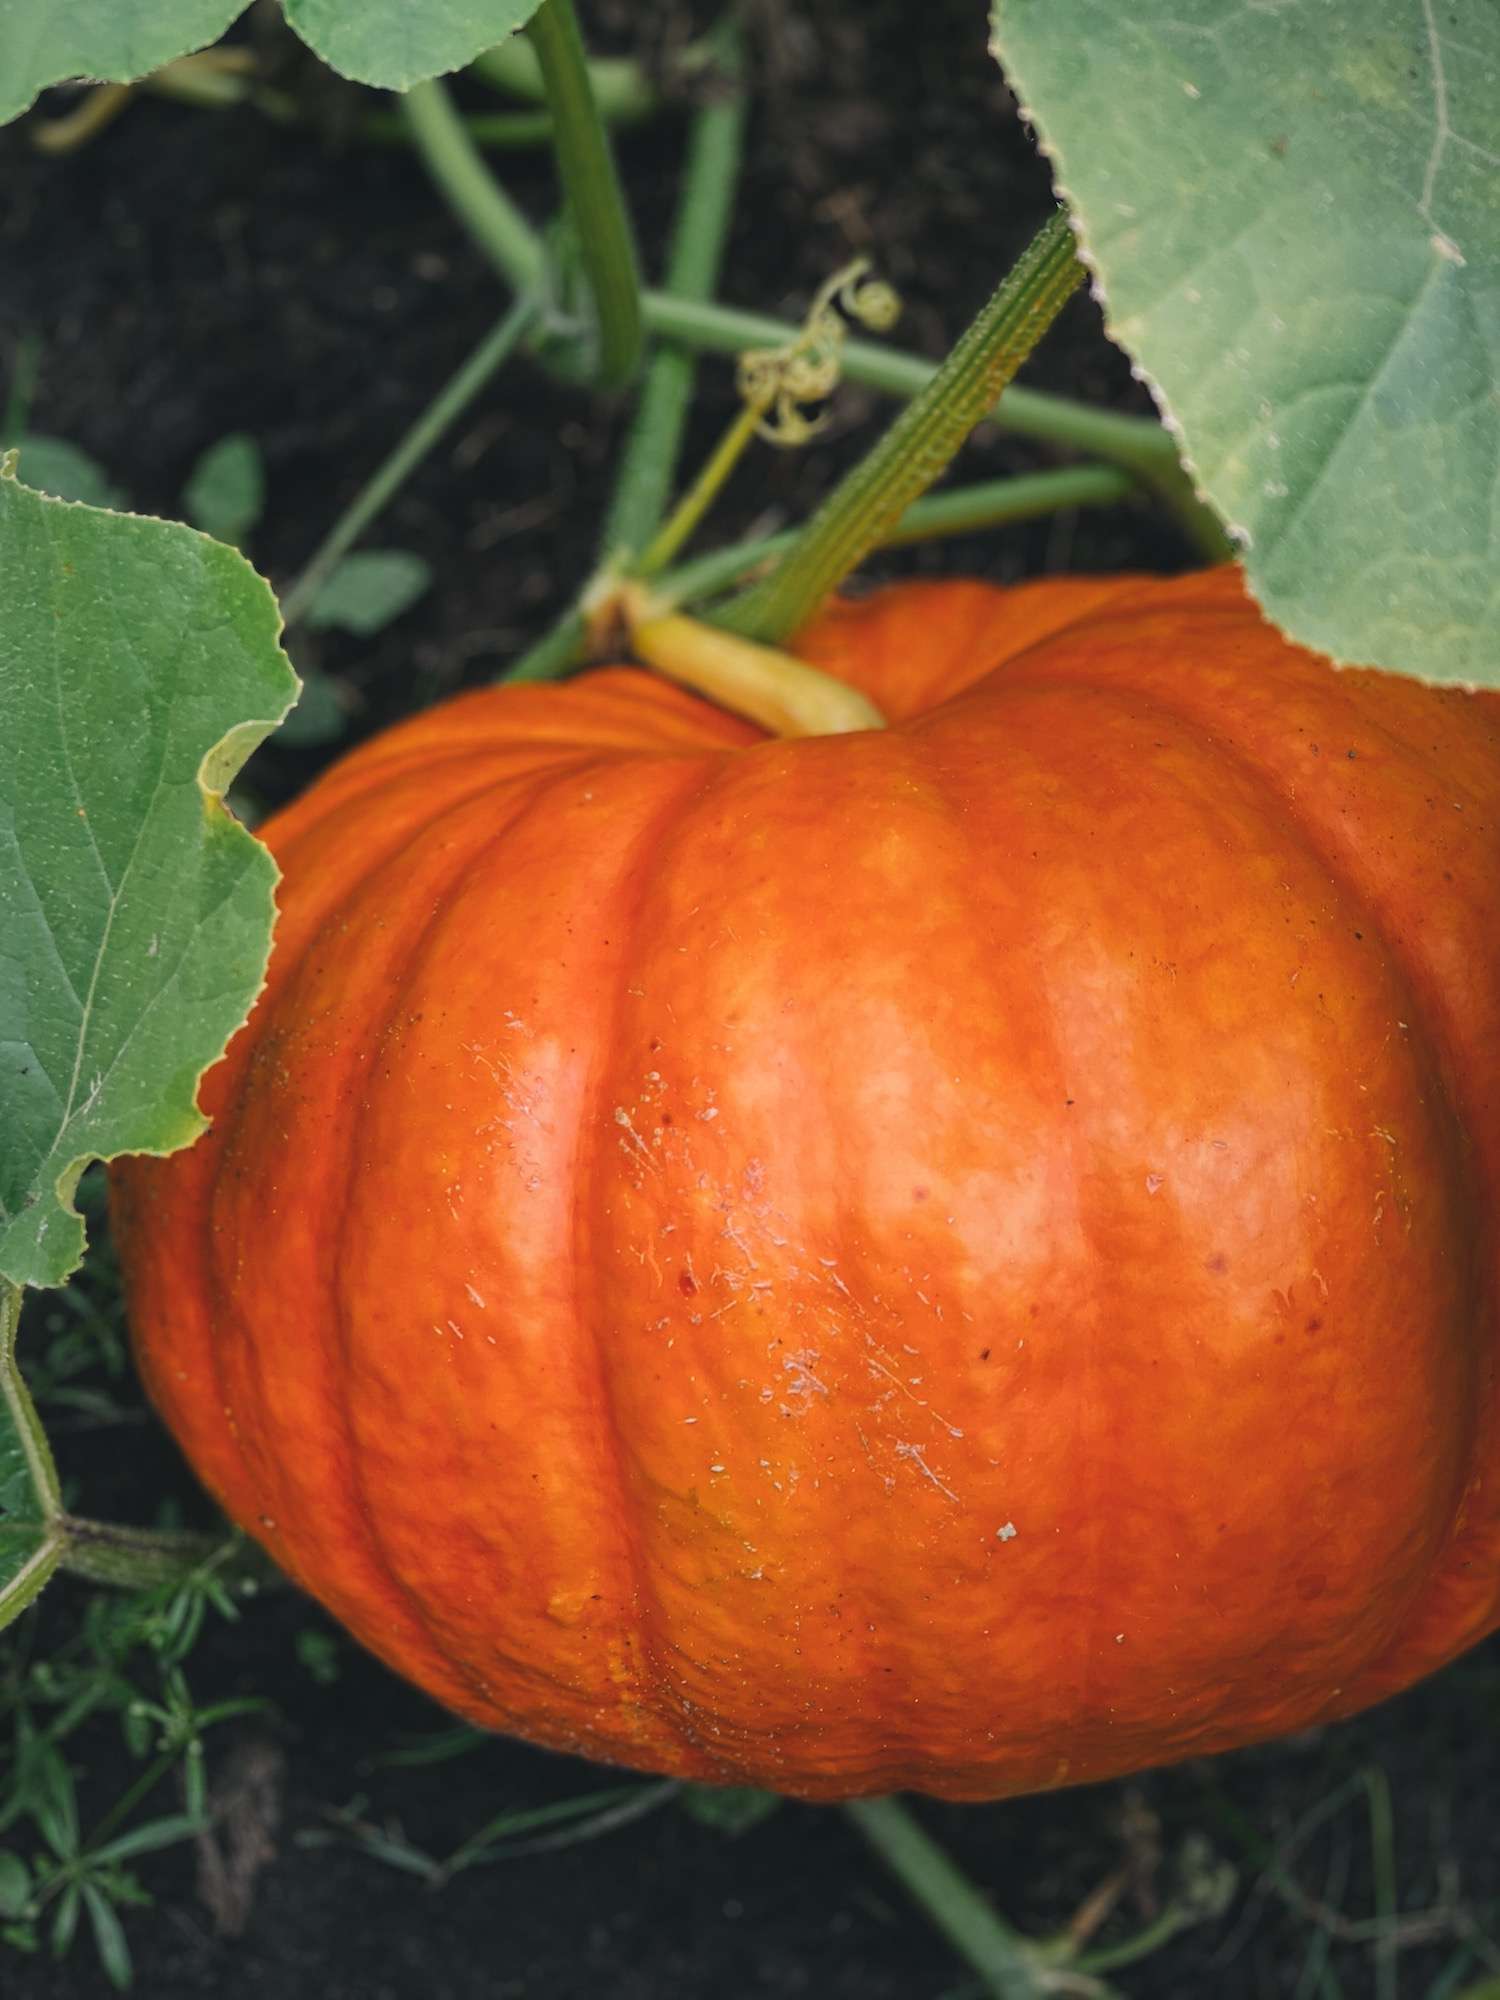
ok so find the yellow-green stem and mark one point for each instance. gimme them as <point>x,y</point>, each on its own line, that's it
<point>705,489</point>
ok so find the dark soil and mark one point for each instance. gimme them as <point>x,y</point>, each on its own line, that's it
<point>192,274</point>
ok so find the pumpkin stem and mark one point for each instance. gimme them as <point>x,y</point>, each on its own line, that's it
<point>783,694</point>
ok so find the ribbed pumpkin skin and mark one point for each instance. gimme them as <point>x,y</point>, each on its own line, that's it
<point>961,1257</point>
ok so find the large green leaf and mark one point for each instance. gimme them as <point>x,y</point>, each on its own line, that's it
<point>47,41</point>
<point>1293,208</point>
<point>396,43</point>
<point>139,666</point>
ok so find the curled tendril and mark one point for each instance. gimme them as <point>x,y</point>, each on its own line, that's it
<point>778,383</point>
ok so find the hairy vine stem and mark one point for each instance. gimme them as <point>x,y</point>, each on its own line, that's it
<point>920,445</point>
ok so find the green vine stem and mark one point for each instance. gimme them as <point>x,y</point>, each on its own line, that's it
<point>217,78</point>
<point>592,187</point>
<point>623,91</point>
<point>1139,444</point>
<point>999,1956</point>
<point>499,131</point>
<point>710,178</point>
<point>922,442</point>
<point>137,1558</point>
<point>38,1537</point>
<point>449,403</point>
<point>455,164</point>
<point>210,86</point>
<point>967,510</point>
<point>560,649</point>
<point>30,1497</point>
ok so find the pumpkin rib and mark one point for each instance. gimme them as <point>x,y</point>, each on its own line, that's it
<point>338,1417</point>
<point>1414,979</point>
<point>841,637</point>
<point>1425,997</point>
<point>951,788</point>
<point>615,705</point>
<point>490,762</point>
<point>1263,782</point>
<point>634,886</point>
<point>201,1164</point>
<point>411,962</point>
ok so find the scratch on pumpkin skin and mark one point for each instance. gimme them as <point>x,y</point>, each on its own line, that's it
<point>884,1477</point>
<point>633,1146</point>
<point>878,1364</point>
<point>914,1454</point>
<point>805,1383</point>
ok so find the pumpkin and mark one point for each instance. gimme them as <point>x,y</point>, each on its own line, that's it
<point>960,1256</point>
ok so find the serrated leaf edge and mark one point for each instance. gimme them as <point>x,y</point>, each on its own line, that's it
<point>1051,152</point>
<point>402,80</point>
<point>1238,533</point>
<point>94,77</point>
<point>217,769</point>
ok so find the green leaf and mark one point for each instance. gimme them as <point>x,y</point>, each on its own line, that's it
<point>226,489</point>
<point>47,41</point>
<point>54,466</point>
<point>368,590</point>
<point>395,43</point>
<point>15,1885</point>
<point>109,1937</point>
<point>728,1809</point>
<point>167,1832</point>
<point>1293,218</point>
<point>65,1920</point>
<point>139,666</point>
<point>54,1800</point>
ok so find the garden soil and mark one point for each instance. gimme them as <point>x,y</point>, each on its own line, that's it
<point>192,274</point>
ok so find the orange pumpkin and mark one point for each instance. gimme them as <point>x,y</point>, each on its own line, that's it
<point>961,1256</point>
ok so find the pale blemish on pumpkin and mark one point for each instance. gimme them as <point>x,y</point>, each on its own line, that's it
<point>633,1145</point>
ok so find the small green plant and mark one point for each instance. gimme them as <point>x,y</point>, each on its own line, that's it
<point>124,1664</point>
